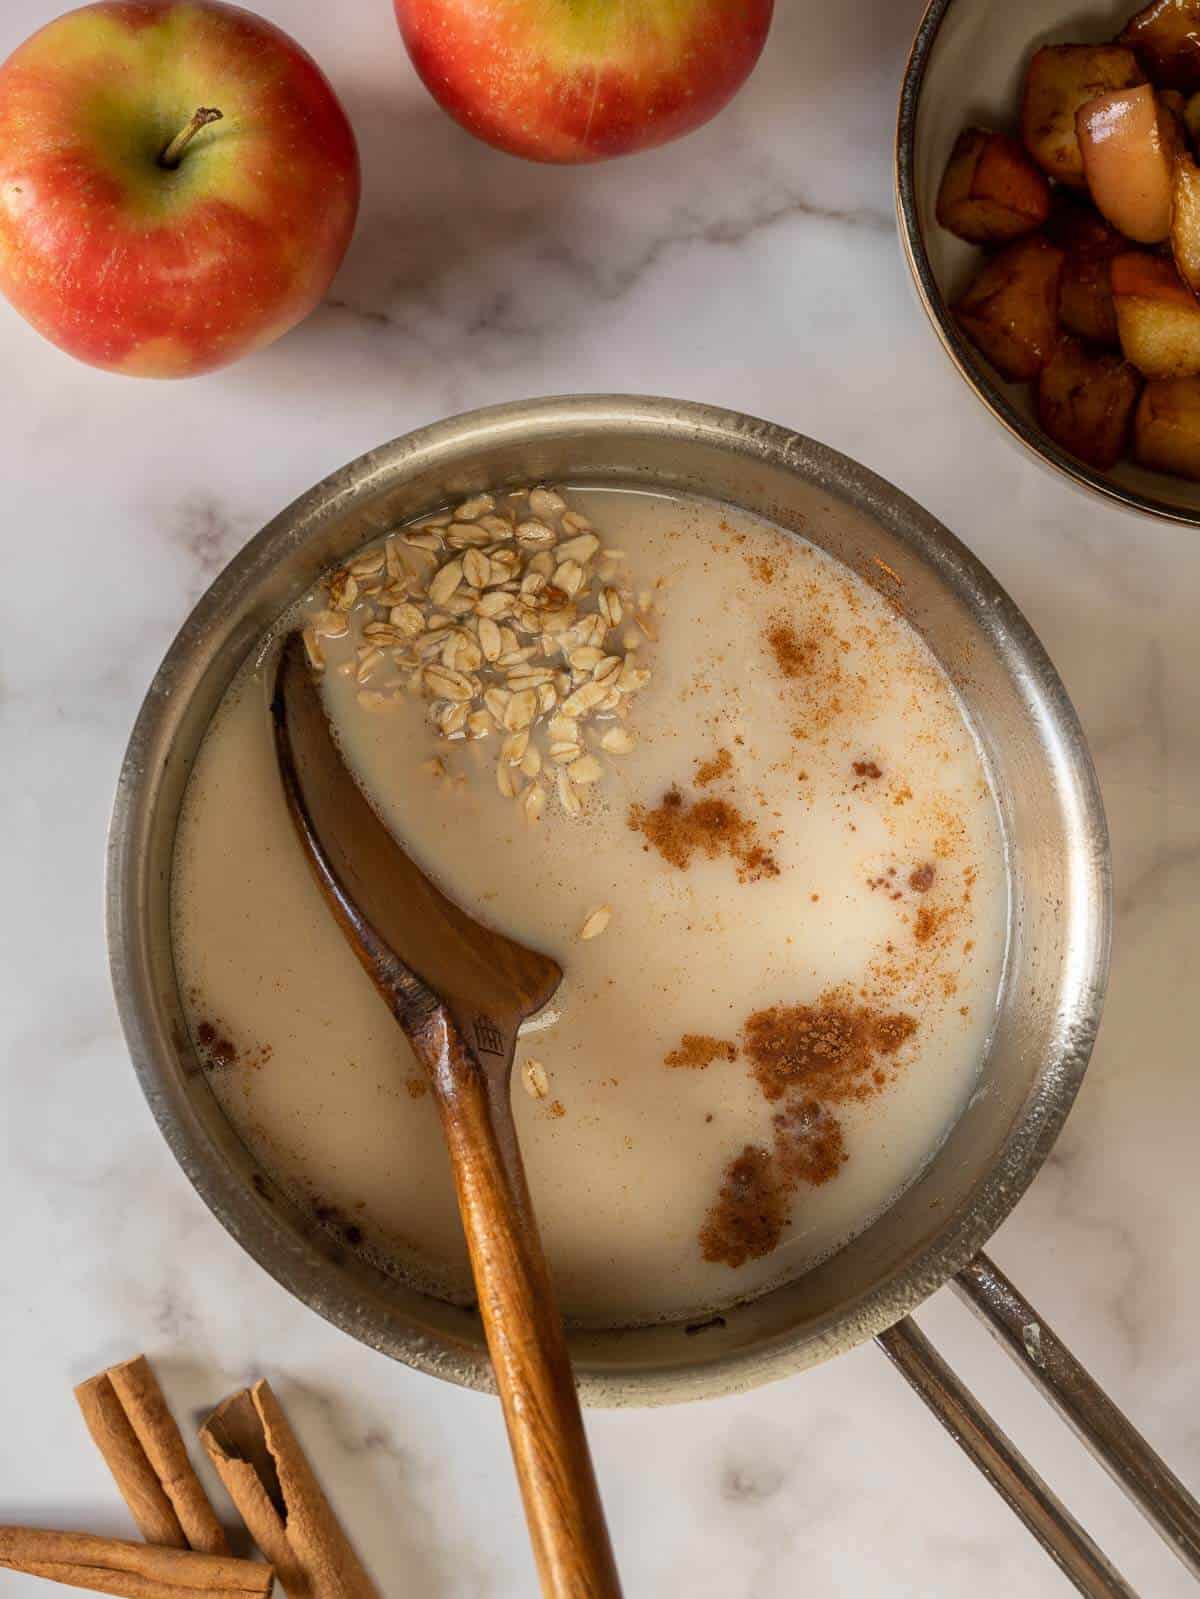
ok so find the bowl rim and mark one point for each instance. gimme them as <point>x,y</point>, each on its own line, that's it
<point>979,379</point>
<point>293,1261</point>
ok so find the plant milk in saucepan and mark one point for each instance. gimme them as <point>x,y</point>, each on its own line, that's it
<point>787,860</point>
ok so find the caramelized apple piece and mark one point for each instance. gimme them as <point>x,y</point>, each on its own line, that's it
<point>1175,106</point>
<point>991,191</point>
<point>1165,37</point>
<point>1191,119</point>
<point>1171,100</point>
<point>1128,146</point>
<point>1061,78</point>
<point>1010,311</point>
<point>1085,302</point>
<point>1185,220</point>
<point>1085,402</point>
<point>1076,227</point>
<point>1158,316</point>
<point>1166,429</point>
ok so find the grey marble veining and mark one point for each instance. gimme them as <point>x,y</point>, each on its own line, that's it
<point>754,265</point>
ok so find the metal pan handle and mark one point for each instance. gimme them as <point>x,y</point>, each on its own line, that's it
<point>1081,1402</point>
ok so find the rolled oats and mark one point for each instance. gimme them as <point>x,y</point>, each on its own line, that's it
<point>423,541</point>
<point>533,1073</point>
<point>478,505</point>
<point>535,535</point>
<point>369,660</point>
<point>581,548</point>
<point>477,568</point>
<point>567,797</point>
<point>313,649</point>
<point>504,617</point>
<point>490,641</point>
<point>520,710</point>
<point>367,565</point>
<point>343,590</point>
<point>585,770</point>
<point>408,618</point>
<point>450,685</point>
<point>545,503</point>
<point>595,922</point>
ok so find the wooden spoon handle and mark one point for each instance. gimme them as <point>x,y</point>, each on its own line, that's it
<point>523,1327</point>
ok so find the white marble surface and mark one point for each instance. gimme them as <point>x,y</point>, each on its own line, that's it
<point>755,265</point>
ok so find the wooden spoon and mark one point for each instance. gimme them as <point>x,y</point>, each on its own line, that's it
<point>460,992</point>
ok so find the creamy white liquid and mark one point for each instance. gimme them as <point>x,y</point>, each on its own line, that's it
<point>625,1155</point>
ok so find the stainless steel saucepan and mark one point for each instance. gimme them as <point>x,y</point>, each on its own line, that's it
<point>1049,1009</point>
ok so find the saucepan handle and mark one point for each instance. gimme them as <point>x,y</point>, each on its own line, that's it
<point>1081,1402</point>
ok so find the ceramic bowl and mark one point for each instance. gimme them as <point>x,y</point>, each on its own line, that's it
<point>966,67</point>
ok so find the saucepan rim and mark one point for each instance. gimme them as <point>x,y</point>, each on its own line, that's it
<point>294,1261</point>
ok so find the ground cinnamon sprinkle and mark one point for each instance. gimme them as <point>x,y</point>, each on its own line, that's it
<point>217,1050</point>
<point>921,880</point>
<point>828,1049</point>
<point>417,1087</point>
<point>747,1220</point>
<point>710,827</point>
<point>809,1144</point>
<point>928,922</point>
<point>831,1052</point>
<point>821,688</point>
<point>751,1210</point>
<point>699,1050</point>
<point>794,656</point>
<point>716,766</point>
<point>866,769</point>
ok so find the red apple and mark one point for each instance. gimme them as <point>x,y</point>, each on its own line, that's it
<point>554,80</point>
<point>178,184</point>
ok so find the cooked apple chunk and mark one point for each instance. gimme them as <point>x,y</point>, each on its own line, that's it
<point>1171,100</point>
<point>1165,37</point>
<point>1085,402</point>
<point>991,191</point>
<point>1128,141</point>
<point>1085,302</point>
<point>1158,316</point>
<point>1010,311</point>
<point>1185,220</point>
<point>1060,79</point>
<point>1166,429</point>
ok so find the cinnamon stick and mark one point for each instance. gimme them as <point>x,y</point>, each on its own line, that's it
<point>116,1440</point>
<point>130,1570</point>
<point>140,1396</point>
<point>274,1488</point>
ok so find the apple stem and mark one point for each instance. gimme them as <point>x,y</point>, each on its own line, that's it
<point>173,154</point>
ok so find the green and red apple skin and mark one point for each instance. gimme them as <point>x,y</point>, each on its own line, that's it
<point>583,80</point>
<point>140,269</point>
